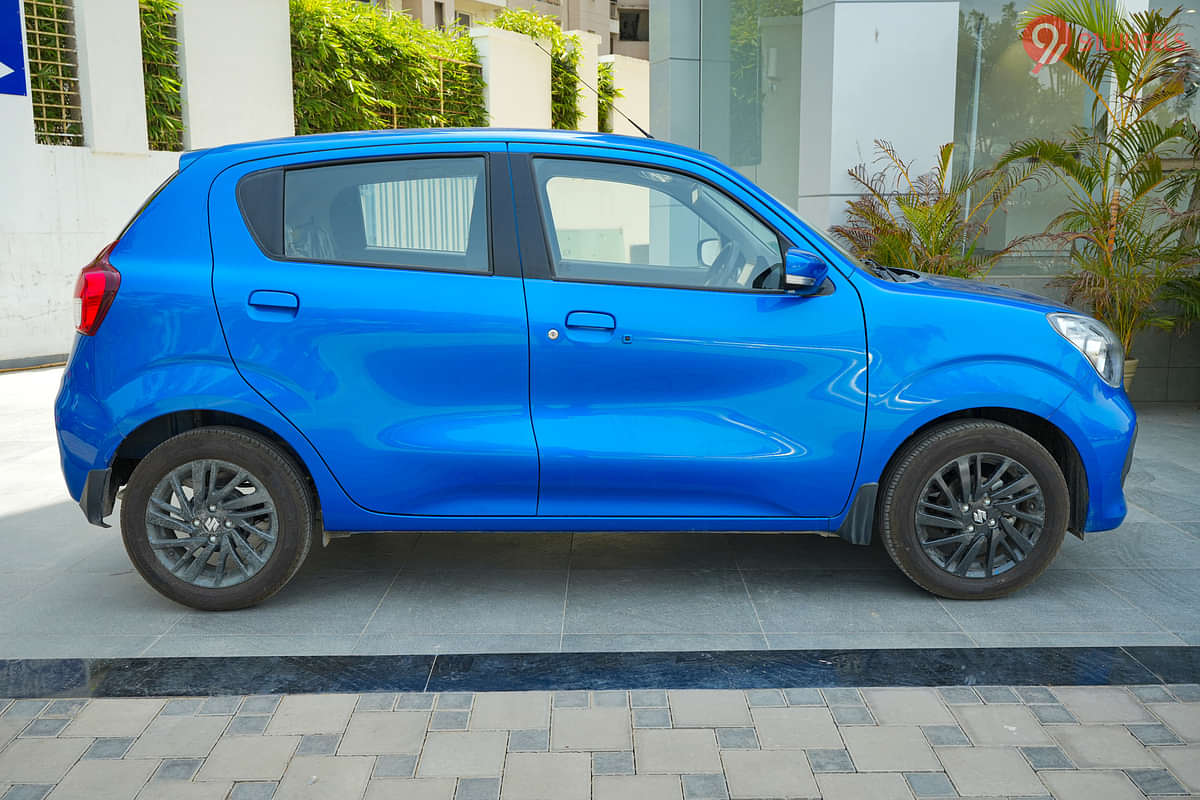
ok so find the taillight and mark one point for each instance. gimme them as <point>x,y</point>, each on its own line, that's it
<point>94,292</point>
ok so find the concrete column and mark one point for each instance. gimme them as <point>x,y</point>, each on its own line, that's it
<point>589,101</point>
<point>675,71</point>
<point>632,77</point>
<point>236,63</point>
<point>108,35</point>
<point>16,111</point>
<point>871,70</point>
<point>516,74</point>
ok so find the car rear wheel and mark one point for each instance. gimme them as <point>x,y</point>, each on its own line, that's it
<point>973,510</point>
<point>217,518</point>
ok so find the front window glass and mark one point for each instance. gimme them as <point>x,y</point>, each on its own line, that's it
<point>424,213</point>
<point>621,223</point>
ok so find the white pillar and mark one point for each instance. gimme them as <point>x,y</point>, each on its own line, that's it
<point>632,77</point>
<point>236,63</point>
<point>108,35</point>
<point>871,70</point>
<point>589,101</point>
<point>516,74</point>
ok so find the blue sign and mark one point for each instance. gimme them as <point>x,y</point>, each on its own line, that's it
<point>12,48</point>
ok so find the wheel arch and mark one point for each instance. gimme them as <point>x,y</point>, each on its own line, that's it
<point>1042,430</point>
<point>153,432</point>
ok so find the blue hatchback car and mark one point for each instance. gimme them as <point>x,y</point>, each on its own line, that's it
<point>537,330</point>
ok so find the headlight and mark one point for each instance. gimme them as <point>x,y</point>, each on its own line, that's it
<point>1097,343</point>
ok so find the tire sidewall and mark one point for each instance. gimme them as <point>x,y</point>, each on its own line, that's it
<point>292,509</point>
<point>942,447</point>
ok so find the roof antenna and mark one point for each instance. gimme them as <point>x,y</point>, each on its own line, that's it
<point>640,129</point>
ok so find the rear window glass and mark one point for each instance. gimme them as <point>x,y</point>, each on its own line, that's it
<point>422,213</point>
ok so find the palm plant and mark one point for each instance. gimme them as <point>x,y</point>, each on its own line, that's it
<point>1124,237</point>
<point>931,222</point>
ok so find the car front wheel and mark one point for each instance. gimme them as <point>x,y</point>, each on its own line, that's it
<point>973,510</point>
<point>217,518</point>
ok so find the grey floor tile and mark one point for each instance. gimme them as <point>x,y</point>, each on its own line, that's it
<point>660,642</point>
<point>395,766</point>
<point>610,699</point>
<point>318,744</point>
<point>852,715</point>
<point>868,640</point>
<point>804,697</point>
<point>477,788</point>
<point>571,700</point>
<point>1135,545</point>
<point>704,787</point>
<point>1154,782</point>
<point>492,550</point>
<point>488,601</point>
<point>945,736</point>
<point>24,709</point>
<point>1186,692</point>
<point>221,706</point>
<point>803,551</point>
<point>533,740</point>
<point>262,704</point>
<point>449,720</point>
<point>1047,758</point>
<point>442,644</point>
<point>253,790</point>
<point>1035,694</point>
<point>959,695</point>
<point>823,760</point>
<point>64,708</point>
<point>648,698</point>
<point>615,763</point>
<point>27,791</point>
<point>182,707</point>
<point>658,601</point>
<point>651,718</point>
<point>848,602</point>
<point>177,769</point>
<point>765,698</point>
<point>1056,714</point>
<point>375,701</point>
<point>455,701</point>
<point>176,645</point>
<point>1065,604</point>
<point>109,747</point>
<point>997,694</point>
<point>930,784</point>
<point>247,725</point>
<point>842,697</point>
<point>45,726</point>
<point>104,606</point>
<point>413,701</point>
<point>1152,694</point>
<point>1169,597</point>
<point>652,551</point>
<point>1153,733</point>
<point>736,739</point>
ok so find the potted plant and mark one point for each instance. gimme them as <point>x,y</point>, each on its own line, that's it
<point>931,222</point>
<point>1123,237</point>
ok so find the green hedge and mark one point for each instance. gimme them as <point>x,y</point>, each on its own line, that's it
<point>608,91</point>
<point>160,72</point>
<point>356,68</point>
<point>564,61</point>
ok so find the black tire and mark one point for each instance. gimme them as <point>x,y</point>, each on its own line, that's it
<point>905,482</point>
<point>293,524</point>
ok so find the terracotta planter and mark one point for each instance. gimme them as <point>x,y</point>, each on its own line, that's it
<point>1130,371</point>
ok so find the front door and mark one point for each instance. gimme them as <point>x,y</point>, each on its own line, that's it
<point>376,304</point>
<point>670,374</point>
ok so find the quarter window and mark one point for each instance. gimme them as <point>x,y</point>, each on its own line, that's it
<point>421,213</point>
<point>619,223</point>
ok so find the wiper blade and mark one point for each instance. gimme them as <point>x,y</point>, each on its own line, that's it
<point>895,273</point>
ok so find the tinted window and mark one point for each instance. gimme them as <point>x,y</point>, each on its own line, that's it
<point>621,223</point>
<point>425,213</point>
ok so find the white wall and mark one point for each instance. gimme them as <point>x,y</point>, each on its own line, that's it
<point>589,101</point>
<point>632,77</point>
<point>236,65</point>
<point>60,205</point>
<point>516,72</point>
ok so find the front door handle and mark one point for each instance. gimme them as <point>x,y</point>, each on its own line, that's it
<point>266,298</point>
<point>595,320</point>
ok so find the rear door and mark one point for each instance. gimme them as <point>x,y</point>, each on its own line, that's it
<point>374,300</point>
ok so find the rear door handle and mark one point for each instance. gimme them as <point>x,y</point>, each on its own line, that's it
<point>267,298</point>
<point>596,320</point>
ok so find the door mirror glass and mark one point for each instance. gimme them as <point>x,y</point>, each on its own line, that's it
<point>804,272</point>
<point>707,251</point>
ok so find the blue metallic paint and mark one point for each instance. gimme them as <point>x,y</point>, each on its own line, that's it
<point>780,376</point>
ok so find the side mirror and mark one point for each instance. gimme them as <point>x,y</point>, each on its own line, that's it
<point>707,251</point>
<point>803,272</point>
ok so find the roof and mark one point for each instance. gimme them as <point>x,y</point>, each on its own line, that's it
<point>328,141</point>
